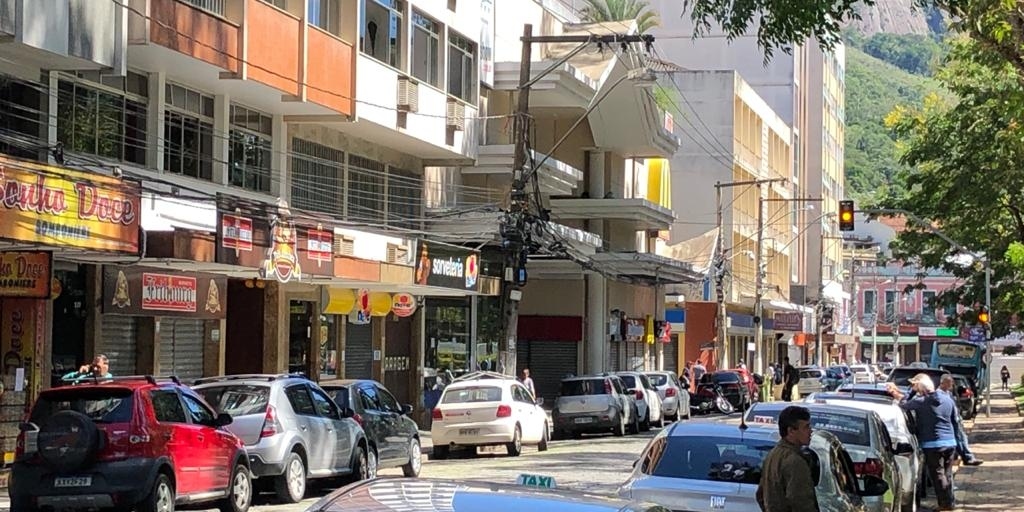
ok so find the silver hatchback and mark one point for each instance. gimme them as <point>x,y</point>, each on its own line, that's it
<point>291,428</point>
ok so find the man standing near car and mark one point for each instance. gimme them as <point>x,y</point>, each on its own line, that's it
<point>948,384</point>
<point>790,378</point>
<point>936,416</point>
<point>787,484</point>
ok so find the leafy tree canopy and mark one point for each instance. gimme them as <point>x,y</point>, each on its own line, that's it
<point>619,10</point>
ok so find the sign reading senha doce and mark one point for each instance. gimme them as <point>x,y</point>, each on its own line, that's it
<point>59,207</point>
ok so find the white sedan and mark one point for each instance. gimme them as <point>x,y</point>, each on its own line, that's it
<point>488,411</point>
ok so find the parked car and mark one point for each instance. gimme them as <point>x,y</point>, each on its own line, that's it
<point>675,395</point>
<point>966,395</point>
<point>835,376</point>
<point>492,410</point>
<point>706,466</point>
<point>898,423</point>
<point>879,389</point>
<point>901,375</point>
<point>865,438</point>
<point>594,403</point>
<point>812,380</point>
<point>389,430</point>
<point>648,401</point>
<point>733,388</point>
<point>862,373</point>
<point>130,442</point>
<point>390,494</point>
<point>292,430</point>
<point>749,382</point>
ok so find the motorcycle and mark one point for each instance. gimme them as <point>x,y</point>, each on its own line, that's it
<point>708,398</point>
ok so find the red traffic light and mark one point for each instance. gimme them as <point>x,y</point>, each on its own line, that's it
<point>846,215</point>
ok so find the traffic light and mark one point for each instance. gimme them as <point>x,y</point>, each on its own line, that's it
<point>983,317</point>
<point>846,215</point>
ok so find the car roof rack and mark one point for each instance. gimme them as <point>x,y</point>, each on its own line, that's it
<point>482,375</point>
<point>269,377</point>
<point>103,380</point>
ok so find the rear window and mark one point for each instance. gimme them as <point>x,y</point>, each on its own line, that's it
<point>810,374</point>
<point>658,379</point>
<point>584,387</point>
<point>472,394</point>
<point>723,459</point>
<point>102,405</point>
<point>339,395</point>
<point>849,429</point>
<point>726,377</point>
<point>629,381</point>
<point>237,399</point>
<point>901,377</point>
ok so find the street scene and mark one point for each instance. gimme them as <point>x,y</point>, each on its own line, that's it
<point>460,255</point>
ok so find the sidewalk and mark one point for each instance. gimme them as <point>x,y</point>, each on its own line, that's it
<point>999,441</point>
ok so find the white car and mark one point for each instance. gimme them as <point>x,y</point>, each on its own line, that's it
<point>675,396</point>
<point>812,380</point>
<point>862,373</point>
<point>488,411</point>
<point>648,401</point>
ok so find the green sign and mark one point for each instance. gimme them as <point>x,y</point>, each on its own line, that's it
<point>547,482</point>
<point>948,332</point>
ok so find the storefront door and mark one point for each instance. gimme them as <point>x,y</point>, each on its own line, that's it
<point>181,347</point>
<point>69,312</point>
<point>398,366</point>
<point>300,325</point>
<point>358,351</point>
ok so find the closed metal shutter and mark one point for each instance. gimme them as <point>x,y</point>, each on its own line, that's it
<point>634,356</point>
<point>358,351</point>
<point>181,348</point>
<point>672,354</point>
<point>549,362</point>
<point>614,349</point>
<point>117,342</point>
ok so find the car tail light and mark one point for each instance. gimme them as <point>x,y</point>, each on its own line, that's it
<point>504,411</point>
<point>270,424</point>
<point>436,414</point>
<point>639,394</point>
<point>871,467</point>
<point>968,393</point>
<point>670,392</point>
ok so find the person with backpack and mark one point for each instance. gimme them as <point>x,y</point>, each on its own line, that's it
<point>1005,375</point>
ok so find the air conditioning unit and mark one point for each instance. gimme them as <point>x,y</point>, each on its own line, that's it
<point>456,115</point>
<point>397,254</point>
<point>344,246</point>
<point>408,95</point>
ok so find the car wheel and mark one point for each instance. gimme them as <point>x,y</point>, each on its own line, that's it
<point>620,430</point>
<point>371,464</point>
<point>439,453</point>
<point>240,493</point>
<point>645,425</point>
<point>516,446</point>
<point>542,446</point>
<point>360,465</point>
<point>911,505</point>
<point>412,468</point>
<point>160,498</point>
<point>290,486</point>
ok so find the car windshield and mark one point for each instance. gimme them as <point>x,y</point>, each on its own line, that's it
<point>471,394</point>
<point>726,377</point>
<point>237,399</point>
<point>713,458</point>
<point>585,387</point>
<point>102,405</point>
<point>657,379</point>
<point>849,428</point>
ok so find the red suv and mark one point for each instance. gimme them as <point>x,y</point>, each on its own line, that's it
<point>126,443</point>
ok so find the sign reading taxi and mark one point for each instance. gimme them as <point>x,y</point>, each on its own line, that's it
<point>55,206</point>
<point>547,482</point>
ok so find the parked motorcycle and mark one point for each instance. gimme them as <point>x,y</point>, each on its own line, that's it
<point>709,398</point>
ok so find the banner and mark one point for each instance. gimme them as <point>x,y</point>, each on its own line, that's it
<point>26,274</point>
<point>55,206</point>
<point>22,329</point>
<point>789,322</point>
<point>447,266</point>
<point>140,291</point>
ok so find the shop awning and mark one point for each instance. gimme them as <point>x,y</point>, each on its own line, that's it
<point>886,339</point>
<point>780,305</point>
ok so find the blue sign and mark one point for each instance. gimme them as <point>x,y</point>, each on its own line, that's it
<point>976,334</point>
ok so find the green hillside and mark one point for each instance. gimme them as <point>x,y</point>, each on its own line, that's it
<point>873,88</point>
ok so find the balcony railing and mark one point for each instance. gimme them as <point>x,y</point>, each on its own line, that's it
<point>214,6</point>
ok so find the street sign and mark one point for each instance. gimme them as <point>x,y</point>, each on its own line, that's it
<point>547,482</point>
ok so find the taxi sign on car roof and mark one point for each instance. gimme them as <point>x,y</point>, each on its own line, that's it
<point>547,482</point>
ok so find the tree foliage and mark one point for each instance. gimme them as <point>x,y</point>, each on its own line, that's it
<point>620,10</point>
<point>913,53</point>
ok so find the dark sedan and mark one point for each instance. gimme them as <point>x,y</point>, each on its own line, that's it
<point>733,388</point>
<point>391,433</point>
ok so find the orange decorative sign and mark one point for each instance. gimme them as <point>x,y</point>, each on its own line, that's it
<point>56,206</point>
<point>26,274</point>
<point>403,304</point>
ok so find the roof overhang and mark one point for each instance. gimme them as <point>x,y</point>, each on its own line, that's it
<point>483,227</point>
<point>556,178</point>
<point>563,86</point>
<point>640,213</point>
<point>647,267</point>
<point>625,118</point>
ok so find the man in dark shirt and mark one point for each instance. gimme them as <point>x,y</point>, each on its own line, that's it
<point>790,378</point>
<point>787,484</point>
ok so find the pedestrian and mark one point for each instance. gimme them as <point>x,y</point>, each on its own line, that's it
<point>1005,374</point>
<point>935,413</point>
<point>786,482</point>
<point>742,365</point>
<point>528,382</point>
<point>790,378</point>
<point>99,369</point>
<point>698,371</point>
<point>948,385</point>
<point>687,372</point>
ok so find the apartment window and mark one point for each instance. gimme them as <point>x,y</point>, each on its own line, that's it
<point>870,302</point>
<point>365,189</point>
<point>188,133</point>
<point>214,6</point>
<point>106,118</point>
<point>318,177</point>
<point>461,67</point>
<point>928,305</point>
<point>381,31</point>
<point>280,4</point>
<point>250,153</point>
<point>890,305</point>
<point>425,44</point>
<point>19,117</point>
<point>405,198</point>
<point>324,14</point>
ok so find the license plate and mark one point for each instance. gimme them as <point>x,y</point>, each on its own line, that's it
<point>717,502</point>
<point>72,481</point>
<point>469,431</point>
<point>584,420</point>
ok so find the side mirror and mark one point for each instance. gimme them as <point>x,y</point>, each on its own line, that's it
<point>28,427</point>
<point>873,486</point>
<point>222,420</point>
<point>904,449</point>
<point>539,401</point>
<point>406,409</point>
<point>635,462</point>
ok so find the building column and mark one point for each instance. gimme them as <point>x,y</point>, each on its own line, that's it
<point>48,131</point>
<point>155,133</point>
<point>597,323</point>
<point>279,182</point>
<point>213,347</point>
<point>377,344</point>
<point>222,133</point>
<point>275,329</point>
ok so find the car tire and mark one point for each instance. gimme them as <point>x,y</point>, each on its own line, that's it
<point>515,448</point>
<point>620,430</point>
<point>542,446</point>
<point>412,468</point>
<point>239,491</point>
<point>360,465</point>
<point>160,497</point>
<point>911,505</point>
<point>372,463</point>
<point>290,486</point>
<point>54,450</point>
<point>645,425</point>
<point>439,453</point>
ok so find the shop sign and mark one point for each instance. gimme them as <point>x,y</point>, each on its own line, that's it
<point>635,329</point>
<point>789,321</point>
<point>23,327</point>
<point>403,304</point>
<point>447,266</point>
<point>26,274</point>
<point>360,314</point>
<point>55,206</point>
<point>236,232</point>
<point>140,291</point>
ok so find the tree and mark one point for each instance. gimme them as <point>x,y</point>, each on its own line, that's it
<point>964,174</point>
<point>621,10</point>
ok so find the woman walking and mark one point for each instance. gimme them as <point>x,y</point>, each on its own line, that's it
<point>1005,374</point>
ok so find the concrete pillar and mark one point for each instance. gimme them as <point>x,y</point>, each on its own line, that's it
<point>597,323</point>
<point>221,133</point>
<point>155,133</point>
<point>342,339</point>
<point>213,347</point>
<point>379,329</point>
<point>275,329</point>
<point>280,185</point>
<point>147,346</point>
<point>93,307</point>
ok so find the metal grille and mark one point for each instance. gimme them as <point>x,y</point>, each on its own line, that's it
<point>549,362</point>
<point>366,189</point>
<point>318,177</point>
<point>214,6</point>
<point>181,348</point>
<point>117,342</point>
<point>405,198</point>
<point>358,351</point>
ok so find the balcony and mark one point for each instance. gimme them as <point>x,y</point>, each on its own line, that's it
<point>638,214</point>
<point>63,34</point>
<point>263,56</point>
<point>565,86</point>
<point>556,178</point>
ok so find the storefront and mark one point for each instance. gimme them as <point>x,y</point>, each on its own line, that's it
<point>549,346</point>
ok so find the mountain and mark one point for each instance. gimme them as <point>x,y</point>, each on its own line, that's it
<point>897,17</point>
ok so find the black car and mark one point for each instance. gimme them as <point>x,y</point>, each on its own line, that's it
<point>732,387</point>
<point>388,427</point>
<point>967,398</point>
